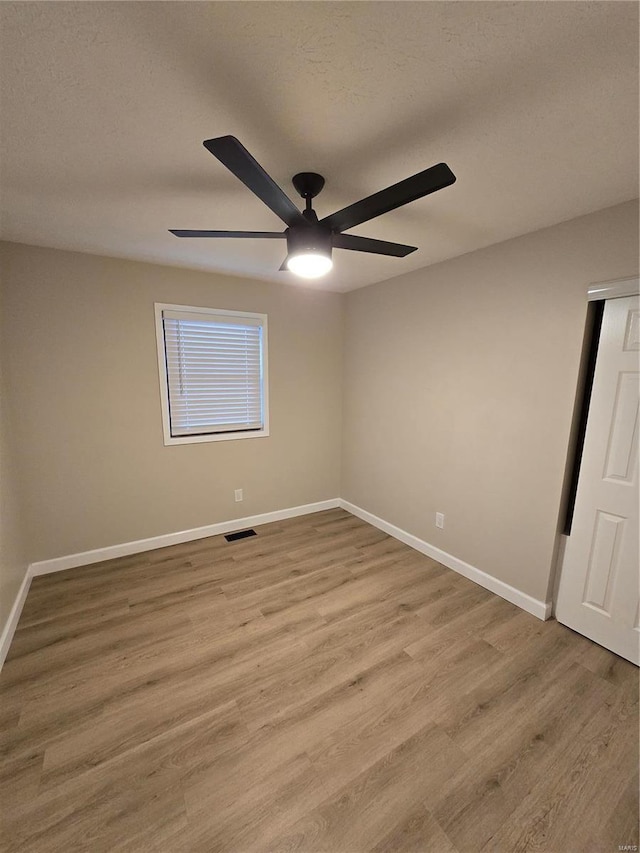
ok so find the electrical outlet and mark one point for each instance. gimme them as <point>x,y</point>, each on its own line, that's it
<point>439,519</point>
<point>238,495</point>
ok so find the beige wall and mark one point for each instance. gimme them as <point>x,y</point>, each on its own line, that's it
<point>13,560</point>
<point>459,382</point>
<point>79,331</point>
<point>459,385</point>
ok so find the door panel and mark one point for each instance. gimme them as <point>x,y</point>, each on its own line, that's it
<point>603,561</point>
<point>598,593</point>
<point>623,442</point>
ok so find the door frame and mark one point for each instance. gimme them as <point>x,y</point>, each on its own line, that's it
<point>614,289</point>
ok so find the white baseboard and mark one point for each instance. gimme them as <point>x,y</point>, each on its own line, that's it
<point>10,627</point>
<point>541,609</point>
<point>85,558</point>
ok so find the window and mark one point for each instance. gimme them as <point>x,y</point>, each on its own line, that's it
<point>213,374</point>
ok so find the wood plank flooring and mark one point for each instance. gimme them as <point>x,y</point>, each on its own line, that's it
<point>318,687</point>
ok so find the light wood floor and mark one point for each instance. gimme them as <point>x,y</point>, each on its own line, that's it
<point>320,687</point>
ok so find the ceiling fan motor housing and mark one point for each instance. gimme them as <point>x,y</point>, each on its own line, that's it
<point>314,239</point>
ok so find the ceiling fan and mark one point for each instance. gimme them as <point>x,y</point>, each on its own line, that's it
<point>310,240</point>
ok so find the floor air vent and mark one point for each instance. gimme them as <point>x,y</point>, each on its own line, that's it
<point>241,534</point>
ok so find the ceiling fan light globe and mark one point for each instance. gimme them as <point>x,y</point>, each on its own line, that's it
<point>309,264</point>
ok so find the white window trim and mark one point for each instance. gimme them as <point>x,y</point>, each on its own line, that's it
<point>162,375</point>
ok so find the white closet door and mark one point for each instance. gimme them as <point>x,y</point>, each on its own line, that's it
<point>600,578</point>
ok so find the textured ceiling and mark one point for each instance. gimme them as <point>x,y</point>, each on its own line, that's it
<point>534,105</point>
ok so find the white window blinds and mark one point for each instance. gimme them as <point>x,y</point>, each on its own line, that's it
<point>214,369</point>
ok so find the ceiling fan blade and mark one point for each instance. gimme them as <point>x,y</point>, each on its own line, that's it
<point>261,234</point>
<point>366,244</point>
<point>435,178</point>
<point>237,159</point>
